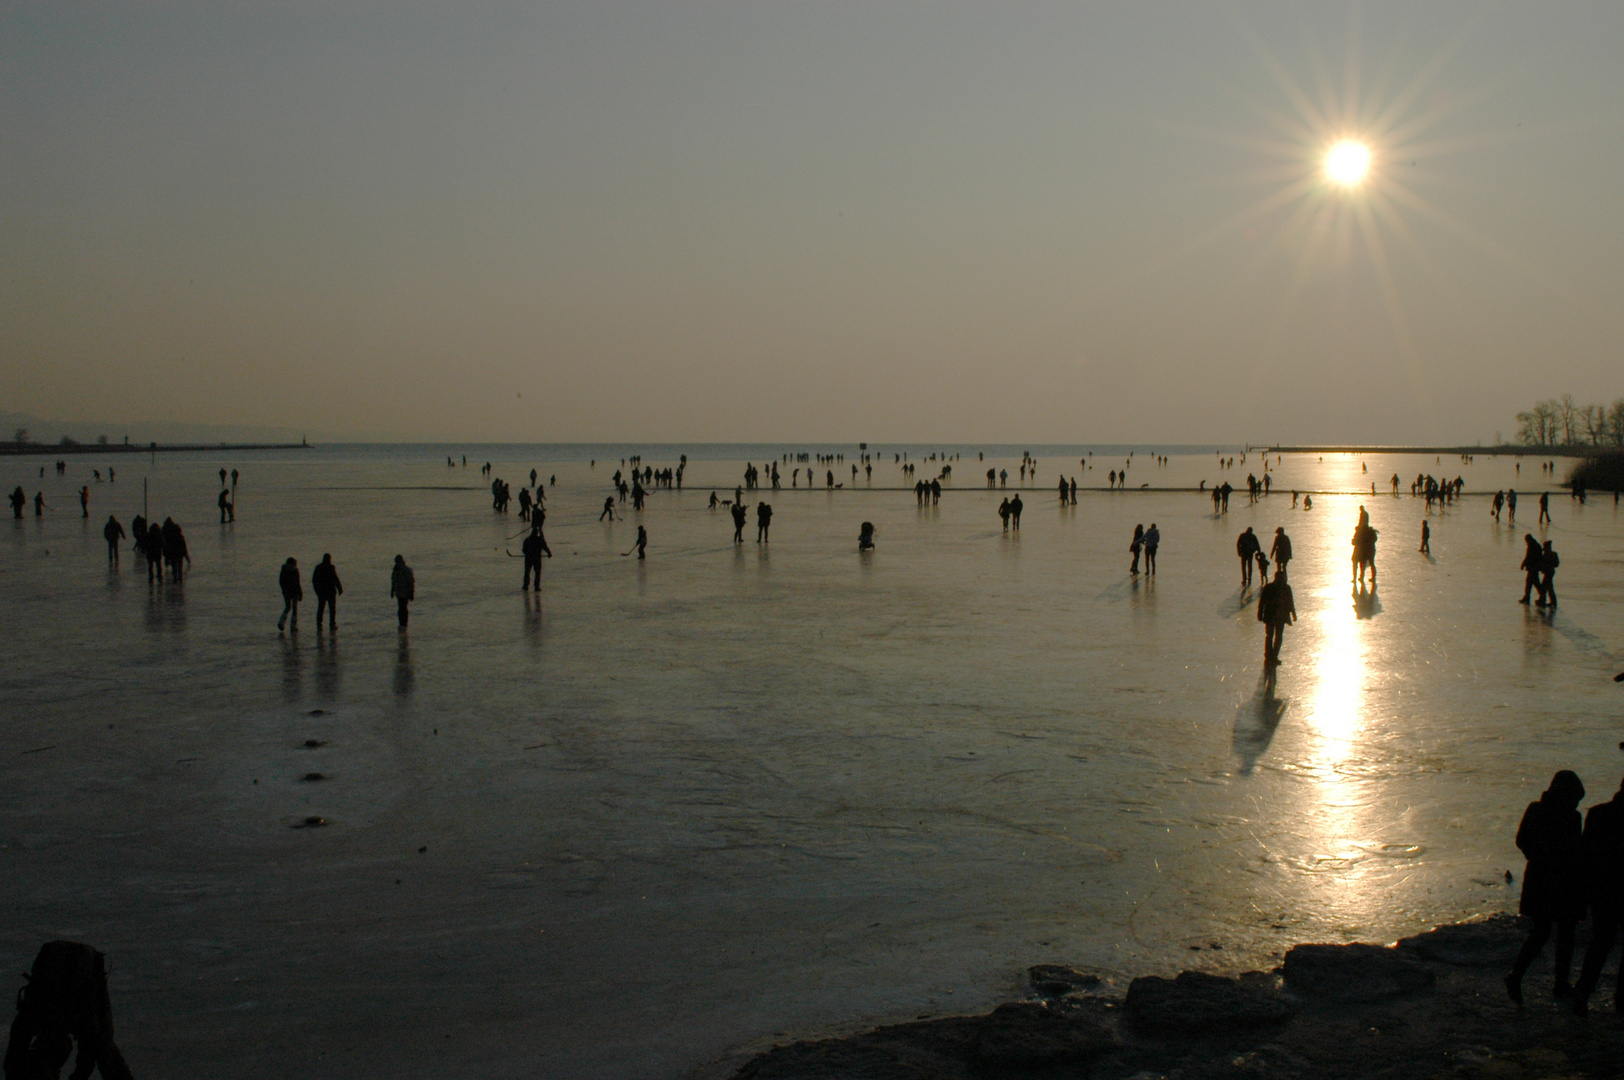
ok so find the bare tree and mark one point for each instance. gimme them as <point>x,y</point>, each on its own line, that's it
<point>1567,415</point>
<point>1595,423</point>
<point>20,435</point>
<point>1615,424</point>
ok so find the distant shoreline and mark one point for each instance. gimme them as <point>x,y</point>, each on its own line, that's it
<point>27,449</point>
<point>1455,451</point>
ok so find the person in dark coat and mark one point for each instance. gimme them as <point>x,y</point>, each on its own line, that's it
<point>1276,609</point>
<point>112,532</point>
<point>403,587</point>
<point>533,547</point>
<point>152,546</point>
<point>1247,547</point>
<point>292,593</point>
<point>1532,556</point>
<point>325,584</point>
<point>1553,886</point>
<point>1548,562</point>
<point>1603,853</point>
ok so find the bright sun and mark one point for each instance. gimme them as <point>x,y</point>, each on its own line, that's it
<point>1347,162</point>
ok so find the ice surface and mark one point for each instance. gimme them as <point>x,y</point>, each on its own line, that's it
<point>674,809</point>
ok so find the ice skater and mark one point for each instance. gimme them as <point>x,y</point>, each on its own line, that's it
<point>534,546</point>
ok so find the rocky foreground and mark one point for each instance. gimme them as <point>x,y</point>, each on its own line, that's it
<point>1431,1006</point>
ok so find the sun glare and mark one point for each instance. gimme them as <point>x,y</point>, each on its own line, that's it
<point>1348,162</point>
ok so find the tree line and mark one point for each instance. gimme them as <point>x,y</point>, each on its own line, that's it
<point>1564,422</point>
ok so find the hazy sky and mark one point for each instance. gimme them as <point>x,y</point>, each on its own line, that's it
<point>771,221</point>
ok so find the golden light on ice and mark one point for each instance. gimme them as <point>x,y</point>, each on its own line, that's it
<point>1348,162</point>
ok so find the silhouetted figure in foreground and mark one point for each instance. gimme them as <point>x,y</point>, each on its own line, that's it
<point>1602,851</point>
<point>641,547</point>
<point>227,511</point>
<point>64,1004</point>
<point>865,536</point>
<point>403,587</point>
<point>112,532</point>
<point>1247,548</point>
<point>152,546</point>
<point>1153,540</point>
<point>534,546</point>
<point>1533,555</point>
<point>1276,609</point>
<point>1364,549</point>
<point>1134,547</point>
<point>292,593</point>
<point>608,509</point>
<point>18,501</point>
<point>764,522</point>
<point>739,514</point>
<point>325,584</point>
<point>1552,893</point>
<point>1426,542</point>
<point>1280,549</point>
<point>1548,562</point>
<point>174,547</point>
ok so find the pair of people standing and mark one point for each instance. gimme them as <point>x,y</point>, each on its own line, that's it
<point>323,582</point>
<point>1539,567</point>
<point>1149,540</point>
<point>1571,868</point>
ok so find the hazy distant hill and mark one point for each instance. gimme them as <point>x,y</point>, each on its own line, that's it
<point>139,432</point>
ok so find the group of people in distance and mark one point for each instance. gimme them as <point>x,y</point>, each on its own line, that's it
<point>1573,870</point>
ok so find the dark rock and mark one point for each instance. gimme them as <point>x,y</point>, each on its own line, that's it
<point>1197,1004</point>
<point>1028,1035</point>
<point>1354,972</point>
<point>313,777</point>
<point>1491,942</point>
<point>311,744</point>
<point>1055,980</point>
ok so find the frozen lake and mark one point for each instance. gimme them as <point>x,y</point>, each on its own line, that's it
<point>672,810</point>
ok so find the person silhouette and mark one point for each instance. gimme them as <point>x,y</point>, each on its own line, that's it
<point>764,522</point>
<point>174,548</point>
<point>865,536</point>
<point>1533,554</point>
<point>1550,835</point>
<point>1602,852</point>
<point>608,509</point>
<point>152,546</point>
<point>18,501</point>
<point>84,501</point>
<point>1544,507</point>
<point>1280,549</point>
<point>112,532</point>
<point>1247,548</point>
<point>1276,609</point>
<point>1153,540</point>
<point>1015,507</point>
<point>534,546</point>
<point>1426,540</point>
<point>739,514</point>
<point>1548,562</point>
<point>403,587</point>
<point>1003,513</point>
<point>1134,546</point>
<point>292,593</point>
<point>325,584</point>
<point>642,542</point>
<point>228,512</point>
